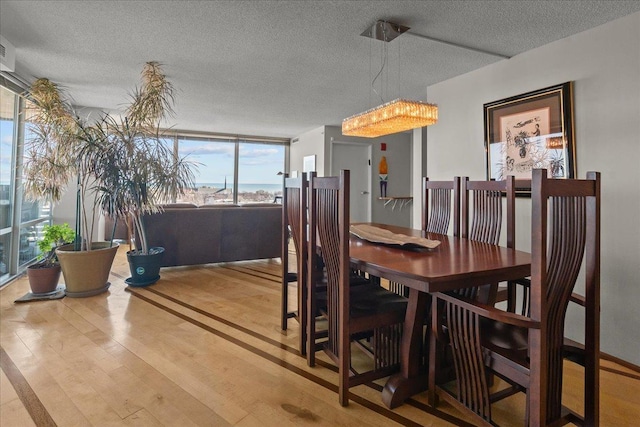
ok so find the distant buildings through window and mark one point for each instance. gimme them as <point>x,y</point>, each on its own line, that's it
<point>233,170</point>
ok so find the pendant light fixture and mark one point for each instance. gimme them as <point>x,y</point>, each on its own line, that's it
<point>395,116</point>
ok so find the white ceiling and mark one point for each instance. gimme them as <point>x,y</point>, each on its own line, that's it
<point>275,68</point>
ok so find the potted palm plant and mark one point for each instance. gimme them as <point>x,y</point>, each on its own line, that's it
<point>135,167</point>
<point>52,162</point>
<point>44,275</point>
<point>123,167</point>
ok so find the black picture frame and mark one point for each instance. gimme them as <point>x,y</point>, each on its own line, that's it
<point>530,131</point>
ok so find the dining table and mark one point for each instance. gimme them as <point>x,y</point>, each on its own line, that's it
<point>455,263</point>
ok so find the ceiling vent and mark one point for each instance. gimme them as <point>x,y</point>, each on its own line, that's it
<point>7,55</point>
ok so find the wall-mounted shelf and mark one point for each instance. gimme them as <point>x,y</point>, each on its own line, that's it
<point>404,200</point>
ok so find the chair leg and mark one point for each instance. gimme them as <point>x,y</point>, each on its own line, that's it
<point>285,314</point>
<point>284,303</point>
<point>310,326</point>
<point>303,317</point>
<point>344,365</point>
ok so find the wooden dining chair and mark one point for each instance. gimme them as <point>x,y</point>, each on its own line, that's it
<point>481,219</point>
<point>371,315</point>
<point>440,204</point>
<point>295,228</point>
<point>518,297</point>
<point>511,292</point>
<point>486,228</point>
<point>527,351</point>
<point>294,211</point>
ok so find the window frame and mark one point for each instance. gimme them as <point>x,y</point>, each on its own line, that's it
<point>236,139</point>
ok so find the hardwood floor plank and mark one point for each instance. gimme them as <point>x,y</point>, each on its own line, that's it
<point>329,385</point>
<point>203,346</point>
<point>8,393</point>
<point>142,418</point>
<point>13,413</point>
<point>19,385</point>
<point>163,391</point>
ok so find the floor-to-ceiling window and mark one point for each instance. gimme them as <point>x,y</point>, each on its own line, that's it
<point>233,169</point>
<point>34,214</point>
<point>7,126</point>
<point>260,168</point>
<point>215,159</point>
<point>21,219</point>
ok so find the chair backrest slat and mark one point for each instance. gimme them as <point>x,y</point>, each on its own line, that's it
<point>483,201</point>
<point>295,206</point>
<point>440,202</point>
<point>481,217</point>
<point>329,211</point>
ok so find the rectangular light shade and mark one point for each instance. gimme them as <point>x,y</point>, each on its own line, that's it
<point>395,116</point>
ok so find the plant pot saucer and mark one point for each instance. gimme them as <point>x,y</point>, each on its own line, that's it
<point>139,284</point>
<point>46,294</point>
<point>30,296</point>
<point>88,293</point>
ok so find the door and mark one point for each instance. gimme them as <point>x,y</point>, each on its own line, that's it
<point>356,158</point>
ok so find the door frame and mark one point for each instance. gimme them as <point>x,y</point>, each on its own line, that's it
<point>369,146</point>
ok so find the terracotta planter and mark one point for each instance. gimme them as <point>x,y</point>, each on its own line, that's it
<point>43,280</point>
<point>86,273</point>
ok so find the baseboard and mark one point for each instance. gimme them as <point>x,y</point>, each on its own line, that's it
<point>620,362</point>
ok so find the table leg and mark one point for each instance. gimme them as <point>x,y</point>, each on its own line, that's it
<point>411,379</point>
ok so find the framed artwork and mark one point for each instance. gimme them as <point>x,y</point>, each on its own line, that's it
<point>531,131</point>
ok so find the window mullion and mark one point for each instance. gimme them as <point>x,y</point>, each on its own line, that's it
<point>236,162</point>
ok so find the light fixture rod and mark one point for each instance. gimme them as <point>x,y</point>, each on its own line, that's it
<point>486,52</point>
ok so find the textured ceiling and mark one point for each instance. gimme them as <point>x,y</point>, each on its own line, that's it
<point>275,68</point>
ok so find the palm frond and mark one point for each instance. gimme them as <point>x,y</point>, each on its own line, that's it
<point>124,162</point>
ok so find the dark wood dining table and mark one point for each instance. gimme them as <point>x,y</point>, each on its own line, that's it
<point>455,264</point>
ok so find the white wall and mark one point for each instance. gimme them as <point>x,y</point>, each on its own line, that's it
<point>65,211</point>
<point>398,156</point>
<point>309,143</point>
<point>604,63</point>
<point>318,142</point>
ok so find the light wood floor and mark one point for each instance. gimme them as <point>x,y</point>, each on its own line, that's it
<point>204,347</point>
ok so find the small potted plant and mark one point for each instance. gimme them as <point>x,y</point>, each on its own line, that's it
<point>44,274</point>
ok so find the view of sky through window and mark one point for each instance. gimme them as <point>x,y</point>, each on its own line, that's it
<point>258,167</point>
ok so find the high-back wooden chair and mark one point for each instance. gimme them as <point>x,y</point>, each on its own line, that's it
<point>440,203</point>
<point>481,218</point>
<point>510,294</point>
<point>294,225</point>
<point>481,211</point>
<point>527,351</point>
<point>371,312</point>
<point>518,299</point>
